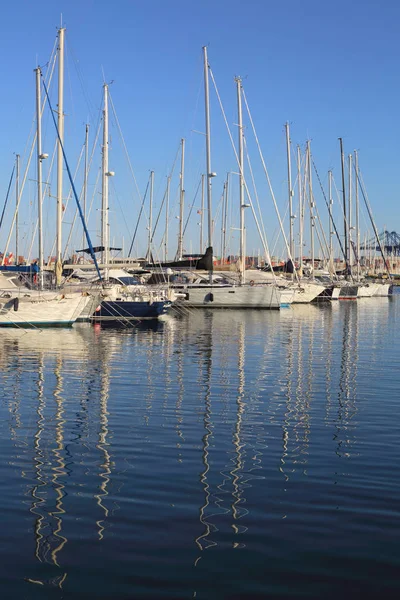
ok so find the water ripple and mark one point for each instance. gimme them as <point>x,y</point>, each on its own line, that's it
<point>216,455</point>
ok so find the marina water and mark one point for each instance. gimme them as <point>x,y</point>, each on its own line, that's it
<point>225,454</point>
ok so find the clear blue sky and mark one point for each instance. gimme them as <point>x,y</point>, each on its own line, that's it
<point>329,68</point>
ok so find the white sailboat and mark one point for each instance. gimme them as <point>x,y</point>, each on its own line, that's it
<point>214,293</point>
<point>304,290</point>
<point>32,309</point>
<point>22,307</point>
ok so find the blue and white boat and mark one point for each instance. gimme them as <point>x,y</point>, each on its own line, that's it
<point>123,298</point>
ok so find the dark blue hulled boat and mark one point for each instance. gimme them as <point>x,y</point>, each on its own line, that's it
<point>123,298</point>
<point>129,310</point>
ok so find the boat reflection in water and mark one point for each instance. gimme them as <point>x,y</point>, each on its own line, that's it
<point>49,353</point>
<point>149,449</point>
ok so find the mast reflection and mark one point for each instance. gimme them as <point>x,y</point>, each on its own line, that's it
<point>239,511</point>
<point>59,469</point>
<point>49,473</point>
<point>298,390</point>
<point>49,450</point>
<point>203,541</point>
<point>39,462</point>
<point>347,405</point>
<point>103,444</point>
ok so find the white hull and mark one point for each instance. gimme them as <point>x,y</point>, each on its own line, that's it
<point>287,296</point>
<point>383,290</point>
<point>368,290</point>
<point>303,292</point>
<point>295,293</point>
<point>246,296</point>
<point>89,307</point>
<point>306,292</point>
<point>39,309</point>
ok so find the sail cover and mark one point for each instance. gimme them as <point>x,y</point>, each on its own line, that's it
<point>98,249</point>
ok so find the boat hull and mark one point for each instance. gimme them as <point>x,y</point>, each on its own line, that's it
<point>368,290</point>
<point>39,310</point>
<point>345,292</point>
<point>287,296</point>
<point>304,293</point>
<point>89,308</point>
<point>383,290</point>
<point>246,296</point>
<point>120,310</point>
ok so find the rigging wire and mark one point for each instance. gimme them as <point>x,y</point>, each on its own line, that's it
<point>316,216</point>
<point>66,204</point>
<point>328,206</point>
<point>269,183</point>
<point>158,217</point>
<point>124,146</point>
<point>137,224</point>
<point>94,147</point>
<point>7,195</point>
<point>254,185</point>
<point>165,193</point>
<point>90,105</point>
<point>367,204</point>
<point>45,186</point>
<point>266,174</point>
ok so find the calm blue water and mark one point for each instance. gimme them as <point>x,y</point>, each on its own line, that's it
<point>216,455</point>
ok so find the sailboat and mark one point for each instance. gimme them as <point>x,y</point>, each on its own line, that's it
<point>305,289</point>
<point>368,289</point>
<point>215,292</point>
<point>22,307</point>
<point>121,302</point>
<point>356,288</point>
<point>345,290</point>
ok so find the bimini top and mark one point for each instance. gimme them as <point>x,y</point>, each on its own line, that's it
<point>118,276</point>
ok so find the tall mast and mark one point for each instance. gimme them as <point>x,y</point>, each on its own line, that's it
<point>223,196</point>
<point>310,190</point>
<point>166,219</point>
<point>350,208</point>
<point>202,214</point>
<point>346,251</point>
<point>150,216</point>
<point>331,232</point>
<point>39,159</point>
<point>301,215</point>
<point>357,216</point>
<point>290,192</point>
<point>369,253</point>
<point>181,201</point>
<point>85,177</point>
<point>105,174</point>
<point>60,125</point>
<point>242,253</point>
<point>209,174</point>
<point>225,217</point>
<point>16,210</point>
